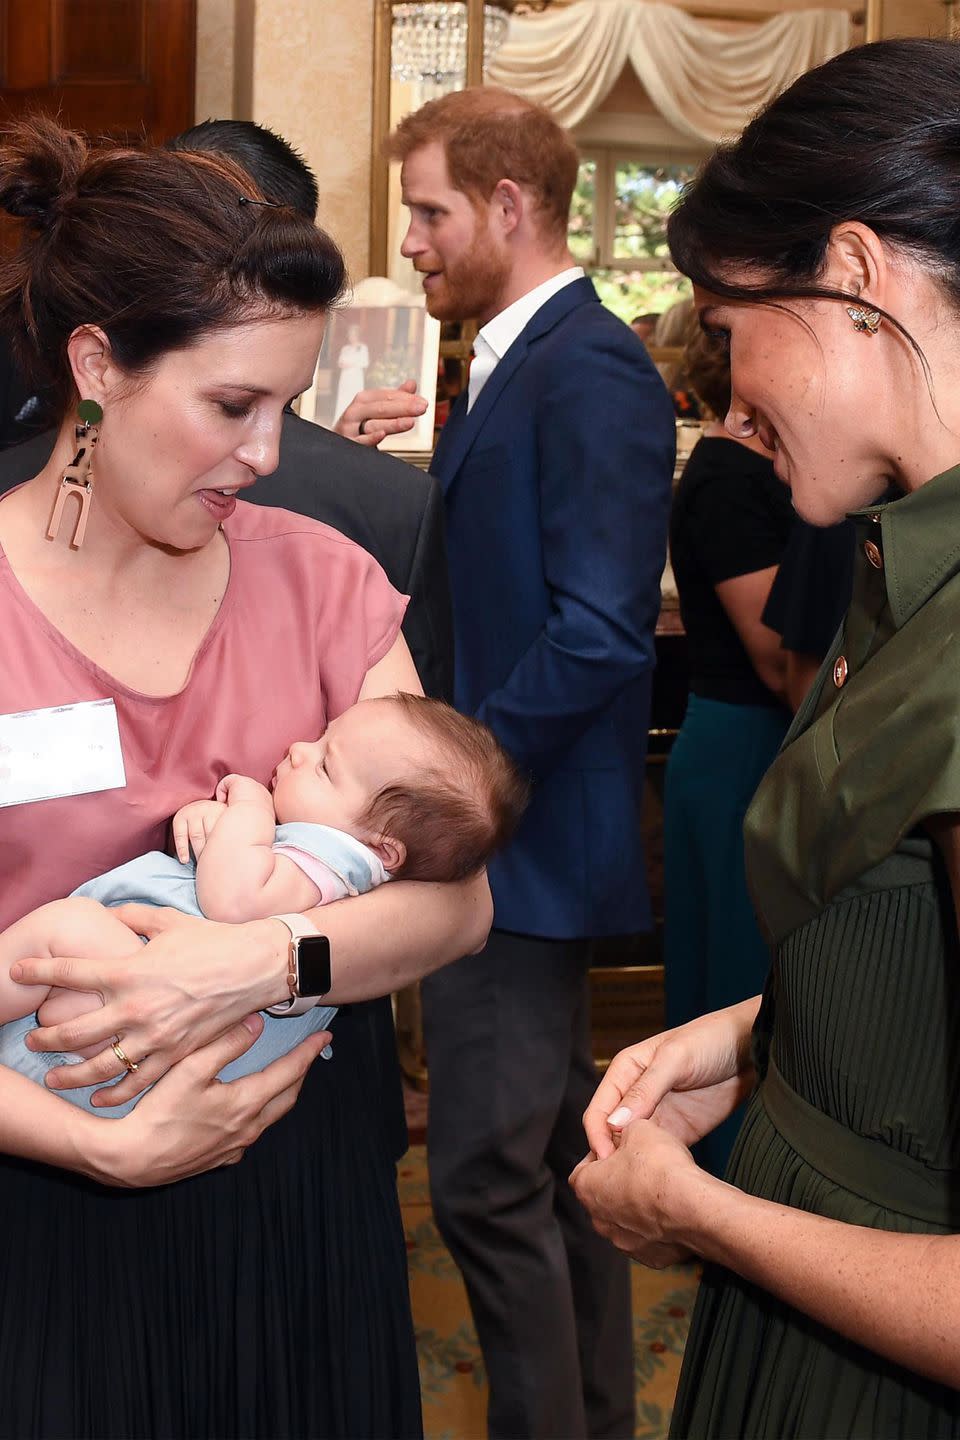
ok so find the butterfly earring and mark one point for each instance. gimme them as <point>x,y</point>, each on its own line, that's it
<point>866,321</point>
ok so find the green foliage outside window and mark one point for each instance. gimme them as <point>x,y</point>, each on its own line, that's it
<point>644,198</point>
<point>639,292</point>
<point>618,224</point>
<point>580,235</point>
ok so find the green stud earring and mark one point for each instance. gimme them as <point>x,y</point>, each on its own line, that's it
<point>90,412</point>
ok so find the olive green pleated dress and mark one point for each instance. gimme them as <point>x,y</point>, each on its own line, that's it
<point>857,1116</point>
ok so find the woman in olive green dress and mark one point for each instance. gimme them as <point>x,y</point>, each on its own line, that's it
<point>825,246</point>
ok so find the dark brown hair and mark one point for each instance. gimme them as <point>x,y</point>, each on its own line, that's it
<point>452,819</point>
<point>158,248</point>
<point>490,135</point>
<point>280,171</point>
<point>873,136</point>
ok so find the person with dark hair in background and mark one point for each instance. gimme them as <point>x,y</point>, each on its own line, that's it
<point>731,521</point>
<point>809,597</point>
<point>280,171</point>
<point>824,245</point>
<point>159,630</point>
<point>556,466</point>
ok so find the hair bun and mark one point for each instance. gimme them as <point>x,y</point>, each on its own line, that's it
<point>40,168</point>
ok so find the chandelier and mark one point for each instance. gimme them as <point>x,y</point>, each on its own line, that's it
<point>429,39</point>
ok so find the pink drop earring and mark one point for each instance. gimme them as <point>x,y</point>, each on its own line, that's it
<point>77,479</point>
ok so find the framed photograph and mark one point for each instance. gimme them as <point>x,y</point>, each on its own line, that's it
<point>381,338</point>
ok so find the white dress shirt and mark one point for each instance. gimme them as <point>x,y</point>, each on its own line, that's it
<point>496,337</point>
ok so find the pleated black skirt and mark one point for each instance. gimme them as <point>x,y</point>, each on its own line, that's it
<point>268,1299</point>
<point>866,1029</point>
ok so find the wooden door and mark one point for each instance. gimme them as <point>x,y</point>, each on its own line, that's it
<point>123,68</point>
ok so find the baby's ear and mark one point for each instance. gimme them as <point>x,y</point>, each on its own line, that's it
<point>392,852</point>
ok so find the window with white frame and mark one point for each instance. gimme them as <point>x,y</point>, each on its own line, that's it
<point>618,224</point>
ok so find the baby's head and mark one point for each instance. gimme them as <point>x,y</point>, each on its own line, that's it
<point>430,790</point>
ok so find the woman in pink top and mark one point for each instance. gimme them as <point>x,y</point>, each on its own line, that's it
<point>160,633</point>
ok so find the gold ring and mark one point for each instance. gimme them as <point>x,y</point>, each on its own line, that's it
<point>131,1065</point>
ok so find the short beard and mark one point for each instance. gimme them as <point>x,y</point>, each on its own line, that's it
<point>472,286</point>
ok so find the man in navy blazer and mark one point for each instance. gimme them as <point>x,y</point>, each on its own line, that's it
<point>556,467</point>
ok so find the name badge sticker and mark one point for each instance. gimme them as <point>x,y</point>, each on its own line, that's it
<point>66,750</point>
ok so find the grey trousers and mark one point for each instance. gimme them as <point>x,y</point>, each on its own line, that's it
<point>508,1048</point>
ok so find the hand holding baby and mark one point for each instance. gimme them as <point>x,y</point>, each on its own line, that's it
<point>397,787</point>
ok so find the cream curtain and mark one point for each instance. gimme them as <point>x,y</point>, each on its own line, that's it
<point>706,82</point>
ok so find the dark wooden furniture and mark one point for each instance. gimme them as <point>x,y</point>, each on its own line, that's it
<point>124,68</point>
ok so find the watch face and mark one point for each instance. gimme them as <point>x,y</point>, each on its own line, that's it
<point>313,964</point>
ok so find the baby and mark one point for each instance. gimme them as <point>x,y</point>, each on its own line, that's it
<point>398,786</point>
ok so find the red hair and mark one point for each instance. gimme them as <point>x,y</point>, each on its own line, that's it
<point>489,135</point>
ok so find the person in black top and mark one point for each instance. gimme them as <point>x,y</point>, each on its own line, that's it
<point>809,598</point>
<point>731,521</point>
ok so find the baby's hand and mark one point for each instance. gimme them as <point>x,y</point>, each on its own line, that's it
<point>241,790</point>
<point>193,825</point>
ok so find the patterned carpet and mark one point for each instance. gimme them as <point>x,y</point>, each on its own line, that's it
<point>451,1370</point>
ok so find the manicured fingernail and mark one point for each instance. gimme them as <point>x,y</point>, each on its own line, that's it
<point>16,972</point>
<point>53,1082</point>
<point>620,1116</point>
<point>250,1021</point>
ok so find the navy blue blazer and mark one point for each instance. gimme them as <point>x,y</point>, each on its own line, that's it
<point>557,488</point>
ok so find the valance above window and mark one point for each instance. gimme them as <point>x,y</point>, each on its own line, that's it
<point>706,82</point>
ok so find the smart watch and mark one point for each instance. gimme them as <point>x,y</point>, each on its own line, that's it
<point>308,968</point>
